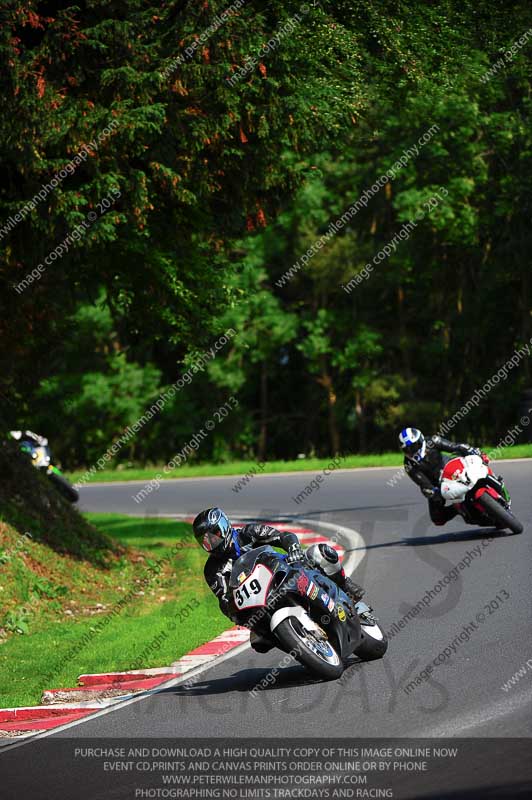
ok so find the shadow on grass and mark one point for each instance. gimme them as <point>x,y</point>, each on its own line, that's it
<point>30,503</point>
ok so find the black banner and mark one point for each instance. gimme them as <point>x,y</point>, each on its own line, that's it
<point>269,769</point>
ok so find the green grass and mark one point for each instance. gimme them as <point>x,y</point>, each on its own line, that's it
<point>153,627</point>
<point>239,468</point>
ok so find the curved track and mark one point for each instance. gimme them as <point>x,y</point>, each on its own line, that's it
<point>405,558</point>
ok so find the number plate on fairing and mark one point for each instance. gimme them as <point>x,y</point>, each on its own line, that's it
<point>254,590</point>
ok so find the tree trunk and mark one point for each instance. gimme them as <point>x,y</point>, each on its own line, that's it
<point>525,306</point>
<point>334,436</point>
<point>403,333</point>
<point>263,433</point>
<point>359,408</point>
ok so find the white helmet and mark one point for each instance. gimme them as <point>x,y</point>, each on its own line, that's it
<point>324,556</point>
<point>413,444</point>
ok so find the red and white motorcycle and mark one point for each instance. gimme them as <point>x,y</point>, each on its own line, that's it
<point>478,495</point>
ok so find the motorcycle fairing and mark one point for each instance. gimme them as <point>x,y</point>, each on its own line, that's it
<point>329,606</point>
<point>467,478</point>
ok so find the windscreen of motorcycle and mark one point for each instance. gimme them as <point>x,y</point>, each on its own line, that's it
<point>244,566</point>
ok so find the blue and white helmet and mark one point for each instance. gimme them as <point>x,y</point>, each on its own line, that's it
<point>413,444</point>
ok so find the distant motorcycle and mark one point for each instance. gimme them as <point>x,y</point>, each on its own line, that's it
<point>36,447</point>
<point>478,495</point>
<point>308,614</point>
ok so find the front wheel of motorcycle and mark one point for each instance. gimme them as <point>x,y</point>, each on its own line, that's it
<point>64,486</point>
<point>315,653</point>
<point>498,514</point>
<point>374,643</point>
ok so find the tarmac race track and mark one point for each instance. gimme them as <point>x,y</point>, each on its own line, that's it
<point>481,613</point>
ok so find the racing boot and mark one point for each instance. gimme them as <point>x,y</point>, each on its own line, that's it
<point>352,589</point>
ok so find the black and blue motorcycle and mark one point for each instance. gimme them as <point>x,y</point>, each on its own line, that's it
<point>304,611</point>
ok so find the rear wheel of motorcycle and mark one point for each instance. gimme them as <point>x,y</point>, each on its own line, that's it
<point>64,486</point>
<point>371,648</point>
<point>498,514</point>
<point>297,641</point>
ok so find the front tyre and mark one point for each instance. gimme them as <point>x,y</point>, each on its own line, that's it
<point>64,486</point>
<point>374,643</point>
<point>498,514</point>
<point>315,653</point>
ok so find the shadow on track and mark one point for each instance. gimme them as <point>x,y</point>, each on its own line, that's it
<point>246,680</point>
<point>457,536</point>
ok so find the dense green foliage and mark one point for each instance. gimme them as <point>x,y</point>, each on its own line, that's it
<point>224,187</point>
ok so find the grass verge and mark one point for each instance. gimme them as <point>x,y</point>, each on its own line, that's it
<point>81,617</point>
<point>240,468</point>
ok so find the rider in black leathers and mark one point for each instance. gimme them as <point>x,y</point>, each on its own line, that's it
<point>225,544</point>
<point>424,461</point>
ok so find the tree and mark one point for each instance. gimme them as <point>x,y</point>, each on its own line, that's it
<point>264,329</point>
<point>196,161</point>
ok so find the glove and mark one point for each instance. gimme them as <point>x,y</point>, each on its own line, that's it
<point>474,451</point>
<point>434,495</point>
<point>295,553</point>
<point>485,458</point>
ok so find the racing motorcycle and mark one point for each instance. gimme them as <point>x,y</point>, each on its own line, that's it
<point>308,615</point>
<point>479,496</point>
<point>36,447</point>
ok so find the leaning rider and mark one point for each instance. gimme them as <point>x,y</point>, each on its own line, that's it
<point>424,461</point>
<point>214,532</point>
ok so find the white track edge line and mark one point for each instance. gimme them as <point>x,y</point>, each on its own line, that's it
<point>259,477</point>
<point>351,562</point>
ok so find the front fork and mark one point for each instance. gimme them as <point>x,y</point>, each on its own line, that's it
<point>506,493</point>
<point>501,488</point>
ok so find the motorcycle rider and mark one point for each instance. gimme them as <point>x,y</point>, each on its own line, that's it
<point>42,441</point>
<point>424,461</point>
<point>214,532</point>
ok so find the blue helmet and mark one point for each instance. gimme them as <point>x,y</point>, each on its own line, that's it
<point>212,530</point>
<point>413,444</point>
